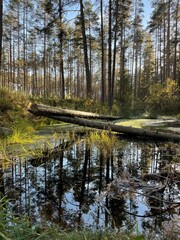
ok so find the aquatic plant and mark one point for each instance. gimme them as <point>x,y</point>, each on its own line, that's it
<point>105,141</point>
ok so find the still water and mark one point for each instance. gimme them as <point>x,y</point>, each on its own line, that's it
<point>136,185</point>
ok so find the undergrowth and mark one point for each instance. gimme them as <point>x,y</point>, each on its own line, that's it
<point>20,228</point>
<point>105,141</point>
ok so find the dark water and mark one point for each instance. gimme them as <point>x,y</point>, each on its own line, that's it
<point>81,187</point>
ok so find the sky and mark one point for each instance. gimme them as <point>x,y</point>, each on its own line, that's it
<point>147,11</point>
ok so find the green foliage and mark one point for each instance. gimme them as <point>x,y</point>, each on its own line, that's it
<point>14,115</point>
<point>10,100</point>
<point>20,228</point>
<point>5,103</point>
<point>13,107</point>
<point>22,134</point>
<point>178,116</point>
<point>105,141</point>
<point>164,99</point>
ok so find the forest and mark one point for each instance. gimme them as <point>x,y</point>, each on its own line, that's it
<point>89,119</point>
<point>98,50</point>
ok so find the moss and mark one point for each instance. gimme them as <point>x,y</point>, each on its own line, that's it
<point>137,123</point>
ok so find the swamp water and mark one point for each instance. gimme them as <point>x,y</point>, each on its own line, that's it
<point>137,186</point>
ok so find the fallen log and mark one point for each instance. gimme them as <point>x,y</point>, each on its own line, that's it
<point>106,125</point>
<point>48,111</point>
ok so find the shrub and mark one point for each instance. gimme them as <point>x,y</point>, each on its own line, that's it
<point>164,99</point>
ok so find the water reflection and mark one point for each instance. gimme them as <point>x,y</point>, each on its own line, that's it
<point>81,187</point>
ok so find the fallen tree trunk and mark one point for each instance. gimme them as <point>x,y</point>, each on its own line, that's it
<point>48,111</point>
<point>109,126</point>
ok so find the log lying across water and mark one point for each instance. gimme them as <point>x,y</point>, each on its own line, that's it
<point>76,119</point>
<point>48,111</point>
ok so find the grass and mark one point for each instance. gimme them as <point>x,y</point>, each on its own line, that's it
<point>105,141</point>
<point>20,228</point>
<point>137,123</point>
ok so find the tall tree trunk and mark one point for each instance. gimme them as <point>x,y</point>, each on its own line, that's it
<point>160,53</point>
<point>115,49</point>
<point>24,48</point>
<point>18,54</point>
<point>102,57</point>
<point>86,60</point>
<point>110,58</point>
<point>36,72</point>
<point>168,41</point>
<point>176,42</point>
<point>1,31</point>
<point>10,60</point>
<point>136,71</point>
<point>164,46</point>
<point>13,61</point>
<point>44,62</point>
<point>122,64</point>
<point>139,72</point>
<point>55,73</point>
<point>61,52</point>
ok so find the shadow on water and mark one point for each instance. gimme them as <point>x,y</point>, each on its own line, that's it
<point>137,184</point>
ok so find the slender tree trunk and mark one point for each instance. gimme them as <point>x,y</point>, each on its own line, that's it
<point>13,61</point>
<point>110,57</point>
<point>1,31</point>
<point>33,71</point>
<point>10,59</point>
<point>115,49</point>
<point>61,52</point>
<point>176,42</point>
<point>102,57</point>
<point>164,46</point>
<point>78,79</point>
<point>136,71</point>
<point>122,64</point>
<point>55,73</point>
<point>157,56</point>
<point>86,60</point>
<point>44,67</point>
<point>36,72</point>
<point>18,54</point>
<point>24,47</point>
<point>71,72</point>
<point>160,49</point>
<point>9,69</point>
<point>139,72</point>
<point>168,41</point>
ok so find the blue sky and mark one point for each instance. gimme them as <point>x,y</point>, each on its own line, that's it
<point>147,11</point>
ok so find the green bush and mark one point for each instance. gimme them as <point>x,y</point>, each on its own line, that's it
<point>163,99</point>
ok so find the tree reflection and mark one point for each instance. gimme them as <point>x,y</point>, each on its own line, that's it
<point>64,188</point>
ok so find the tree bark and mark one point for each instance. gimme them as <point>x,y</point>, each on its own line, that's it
<point>61,52</point>
<point>110,100</point>
<point>102,57</point>
<point>75,117</point>
<point>86,60</point>
<point>49,111</point>
<point>1,29</point>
